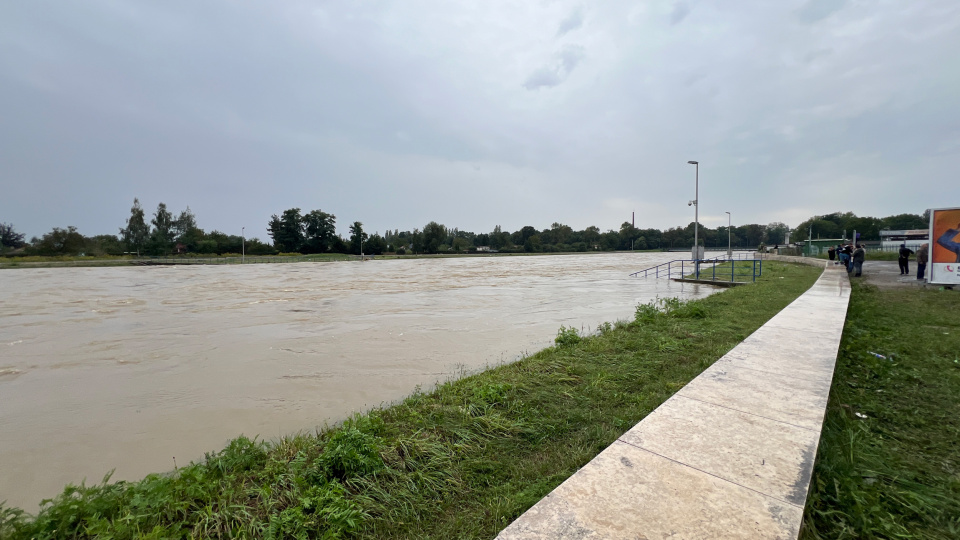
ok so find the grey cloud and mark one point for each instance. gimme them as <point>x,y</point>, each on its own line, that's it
<point>381,113</point>
<point>679,13</point>
<point>817,10</point>
<point>574,21</point>
<point>564,62</point>
<point>545,76</point>
<point>819,53</point>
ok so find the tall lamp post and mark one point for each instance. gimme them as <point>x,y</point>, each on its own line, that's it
<point>729,248</point>
<point>696,216</point>
<point>243,244</point>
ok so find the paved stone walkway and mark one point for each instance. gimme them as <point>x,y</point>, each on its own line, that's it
<point>729,456</point>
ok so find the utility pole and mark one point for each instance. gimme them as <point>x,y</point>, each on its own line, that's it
<point>243,244</point>
<point>729,247</point>
<point>696,217</point>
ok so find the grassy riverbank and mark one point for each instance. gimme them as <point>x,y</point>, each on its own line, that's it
<point>459,462</point>
<point>888,465</point>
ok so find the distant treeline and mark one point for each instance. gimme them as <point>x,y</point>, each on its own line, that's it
<point>293,231</point>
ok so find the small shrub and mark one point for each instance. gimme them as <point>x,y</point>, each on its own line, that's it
<point>647,312</point>
<point>491,394</point>
<point>242,454</point>
<point>351,452</point>
<point>689,310</point>
<point>322,508</point>
<point>567,336</point>
<point>670,307</point>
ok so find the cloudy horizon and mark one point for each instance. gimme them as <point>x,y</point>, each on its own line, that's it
<point>475,115</point>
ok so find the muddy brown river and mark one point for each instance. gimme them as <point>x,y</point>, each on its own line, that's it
<point>127,369</point>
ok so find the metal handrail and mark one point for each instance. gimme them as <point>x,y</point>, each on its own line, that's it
<point>682,268</point>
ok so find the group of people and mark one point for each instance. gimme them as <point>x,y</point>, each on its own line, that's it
<point>904,259</point>
<point>851,257</point>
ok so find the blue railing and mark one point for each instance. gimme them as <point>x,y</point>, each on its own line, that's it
<point>739,271</point>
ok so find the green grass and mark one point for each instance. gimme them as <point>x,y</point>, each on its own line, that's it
<point>462,461</point>
<point>888,465</point>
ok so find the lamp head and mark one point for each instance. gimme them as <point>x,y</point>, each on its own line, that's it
<point>693,162</point>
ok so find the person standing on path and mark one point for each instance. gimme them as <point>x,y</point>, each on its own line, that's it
<point>848,252</point>
<point>832,253</point>
<point>922,260</point>
<point>858,255</point>
<point>904,260</point>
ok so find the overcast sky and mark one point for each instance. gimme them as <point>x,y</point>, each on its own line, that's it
<point>476,114</point>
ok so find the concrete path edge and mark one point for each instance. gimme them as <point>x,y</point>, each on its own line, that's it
<point>730,455</point>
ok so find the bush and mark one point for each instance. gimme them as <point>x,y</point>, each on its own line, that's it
<point>351,452</point>
<point>567,337</point>
<point>242,454</point>
<point>670,307</point>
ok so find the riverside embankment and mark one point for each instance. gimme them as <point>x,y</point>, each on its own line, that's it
<point>131,368</point>
<point>462,461</point>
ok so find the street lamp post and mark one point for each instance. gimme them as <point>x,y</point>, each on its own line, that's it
<point>696,217</point>
<point>243,244</point>
<point>729,248</point>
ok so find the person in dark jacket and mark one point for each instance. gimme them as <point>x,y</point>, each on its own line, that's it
<point>922,255</point>
<point>832,253</point>
<point>858,255</point>
<point>904,260</point>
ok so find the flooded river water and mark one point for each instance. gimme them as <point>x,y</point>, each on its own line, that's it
<point>129,368</point>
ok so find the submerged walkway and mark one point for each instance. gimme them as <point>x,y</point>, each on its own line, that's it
<point>728,456</point>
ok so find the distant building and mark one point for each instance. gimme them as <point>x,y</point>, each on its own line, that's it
<point>483,249</point>
<point>911,237</point>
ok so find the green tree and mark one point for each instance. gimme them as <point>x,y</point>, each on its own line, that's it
<point>775,233</point>
<point>375,244</point>
<point>9,237</point>
<point>136,233</point>
<point>320,228</point>
<point>628,236</point>
<point>591,236</point>
<point>416,241</point>
<point>60,242</point>
<point>905,221</point>
<point>287,230</point>
<point>103,244</point>
<point>561,233</point>
<point>460,244</point>
<point>434,235</point>
<point>186,232</point>
<point>357,237</point>
<point>499,238</point>
<point>163,233</point>
<point>532,244</point>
